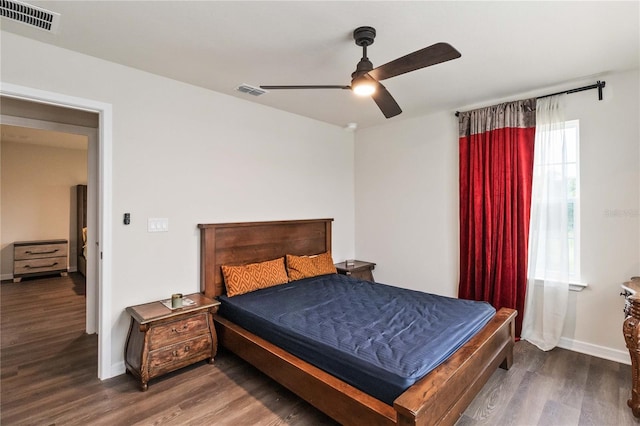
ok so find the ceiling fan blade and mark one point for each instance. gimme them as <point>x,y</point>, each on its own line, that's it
<point>385,102</point>
<point>305,87</point>
<point>435,54</point>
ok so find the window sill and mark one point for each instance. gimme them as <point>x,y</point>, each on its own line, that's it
<point>573,285</point>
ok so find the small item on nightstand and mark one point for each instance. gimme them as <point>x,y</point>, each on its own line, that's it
<point>176,300</point>
<point>350,262</point>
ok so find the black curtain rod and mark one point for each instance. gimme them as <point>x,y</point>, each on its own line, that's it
<point>598,85</point>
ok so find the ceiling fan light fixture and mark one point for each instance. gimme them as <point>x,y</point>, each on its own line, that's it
<point>363,87</point>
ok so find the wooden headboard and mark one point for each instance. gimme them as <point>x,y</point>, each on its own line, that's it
<point>250,242</point>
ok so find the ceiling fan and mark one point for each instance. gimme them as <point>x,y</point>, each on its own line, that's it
<point>365,80</point>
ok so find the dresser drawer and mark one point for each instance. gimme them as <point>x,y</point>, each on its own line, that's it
<point>39,251</point>
<point>179,355</point>
<point>176,331</point>
<point>49,264</point>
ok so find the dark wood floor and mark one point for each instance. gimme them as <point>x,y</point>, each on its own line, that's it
<point>48,377</point>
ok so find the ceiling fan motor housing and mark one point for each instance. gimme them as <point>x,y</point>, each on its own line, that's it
<point>363,67</point>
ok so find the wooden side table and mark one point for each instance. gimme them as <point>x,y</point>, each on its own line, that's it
<point>162,339</point>
<point>360,269</point>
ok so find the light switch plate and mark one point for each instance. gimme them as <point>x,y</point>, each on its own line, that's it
<point>155,224</point>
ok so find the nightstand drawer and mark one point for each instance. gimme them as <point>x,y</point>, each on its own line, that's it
<point>363,274</point>
<point>177,331</point>
<point>179,355</point>
<point>39,251</point>
<point>48,264</point>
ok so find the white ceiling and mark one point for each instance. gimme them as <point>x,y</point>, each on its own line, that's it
<point>508,48</point>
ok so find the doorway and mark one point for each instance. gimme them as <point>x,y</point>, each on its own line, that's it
<point>100,139</point>
<point>47,160</point>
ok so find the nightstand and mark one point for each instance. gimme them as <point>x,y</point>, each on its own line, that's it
<point>162,339</point>
<point>360,269</point>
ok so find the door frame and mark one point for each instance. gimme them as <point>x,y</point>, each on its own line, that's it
<point>104,213</point>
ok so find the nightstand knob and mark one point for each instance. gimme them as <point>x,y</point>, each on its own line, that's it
<point>186,348</point>
<point>174,353</point>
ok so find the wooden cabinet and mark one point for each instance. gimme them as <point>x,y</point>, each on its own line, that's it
<point>360,269</point>
<point>42,257</point>
<point>631,332</point>
<point>162,340</point>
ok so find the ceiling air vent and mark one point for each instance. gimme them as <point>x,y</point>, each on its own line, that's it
<point>30,15</point>
<point>250,90</point>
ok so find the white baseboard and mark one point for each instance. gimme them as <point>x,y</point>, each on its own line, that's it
<point>116,369</point>
<point>595,350</point>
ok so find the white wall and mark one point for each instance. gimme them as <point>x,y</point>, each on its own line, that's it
<point>39,196</point>
<point>406,178</point>
<point>610,218</point>
<point>192,156</point>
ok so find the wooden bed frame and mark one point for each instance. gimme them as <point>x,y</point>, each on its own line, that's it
<point>439,398</point>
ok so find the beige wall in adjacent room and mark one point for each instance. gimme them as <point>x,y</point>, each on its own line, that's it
<point>38,196</point>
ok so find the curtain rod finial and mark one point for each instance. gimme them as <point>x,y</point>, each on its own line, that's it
<point>600,85</point>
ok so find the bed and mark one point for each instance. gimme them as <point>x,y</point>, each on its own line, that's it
<point>437,398</point>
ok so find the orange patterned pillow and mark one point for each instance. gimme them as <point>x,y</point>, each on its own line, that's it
<point>254,276</point>
<point>299,267</point>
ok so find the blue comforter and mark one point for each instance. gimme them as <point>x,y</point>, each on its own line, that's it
<point>379,338</point>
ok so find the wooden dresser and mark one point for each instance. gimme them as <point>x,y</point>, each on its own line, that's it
<point>162,340</point>
<point>360,269</point>
<point>631,331</point>
<point>42,257</point>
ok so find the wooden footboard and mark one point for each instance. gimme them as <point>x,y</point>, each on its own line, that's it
<point>439,398</point>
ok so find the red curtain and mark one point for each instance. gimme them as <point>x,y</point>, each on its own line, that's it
<point>496,168</point>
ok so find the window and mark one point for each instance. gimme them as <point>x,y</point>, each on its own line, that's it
<point>557,178</point>
<point>571,137</point>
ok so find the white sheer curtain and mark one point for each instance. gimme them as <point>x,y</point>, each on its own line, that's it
<point>548,270</point>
